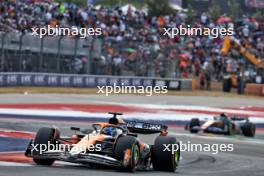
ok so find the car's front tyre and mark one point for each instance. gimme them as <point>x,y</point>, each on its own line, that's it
<point>128,145</point>
<point>44,137</point>
<point>249,129</point>
<point>195,122</point>
<point>164,159</point>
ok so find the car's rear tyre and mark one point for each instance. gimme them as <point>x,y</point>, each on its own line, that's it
<point>165,159</point>
<point>194,122</point>
<point>44,136</point>
<point>249,129</point>
<point>124,143</point>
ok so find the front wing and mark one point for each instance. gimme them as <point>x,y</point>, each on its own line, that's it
<point>87,158</point>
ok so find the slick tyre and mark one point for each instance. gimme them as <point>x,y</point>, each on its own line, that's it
<point>165,160</point>
<point>44,137</point>
<point>128,143</point>
<point>249,129</point>
<point>193,123</point>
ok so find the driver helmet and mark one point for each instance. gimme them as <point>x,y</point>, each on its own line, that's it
<point>109,131</point>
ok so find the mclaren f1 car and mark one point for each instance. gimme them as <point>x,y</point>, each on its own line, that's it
<point>223,124</point>
<point>115,143</point>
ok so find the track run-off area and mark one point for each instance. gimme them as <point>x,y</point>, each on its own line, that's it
<point>22,115</point>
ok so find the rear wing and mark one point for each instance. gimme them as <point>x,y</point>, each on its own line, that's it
<point>145,128</point>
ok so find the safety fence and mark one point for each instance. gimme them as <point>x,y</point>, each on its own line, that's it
<point>25,52</point>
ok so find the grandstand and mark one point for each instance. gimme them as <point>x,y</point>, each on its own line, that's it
<point>132,43</point>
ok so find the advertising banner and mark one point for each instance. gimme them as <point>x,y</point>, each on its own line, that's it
<point>86,81</point>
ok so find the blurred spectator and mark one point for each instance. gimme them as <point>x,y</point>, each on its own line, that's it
<point>116,65</point>
<point>154,54</point>
<point>77,65</point>
<point>202,80</point>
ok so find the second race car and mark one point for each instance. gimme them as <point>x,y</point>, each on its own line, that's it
<point>223,124</point>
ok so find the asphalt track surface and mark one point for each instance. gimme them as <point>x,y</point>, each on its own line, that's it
<point>246,159</point>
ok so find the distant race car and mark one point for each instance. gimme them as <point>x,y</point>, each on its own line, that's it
<point>114,144</point>
<point>223,124</point>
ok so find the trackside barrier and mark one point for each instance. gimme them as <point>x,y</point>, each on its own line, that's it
<point>88,81</point>
<point>255,89</point>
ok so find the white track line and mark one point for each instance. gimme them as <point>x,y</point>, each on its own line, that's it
<point>4,163</point>
<point>161,115</point>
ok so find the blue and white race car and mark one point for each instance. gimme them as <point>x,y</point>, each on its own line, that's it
<point>223,124</point>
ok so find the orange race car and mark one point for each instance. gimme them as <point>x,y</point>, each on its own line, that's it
<point>115,143</point>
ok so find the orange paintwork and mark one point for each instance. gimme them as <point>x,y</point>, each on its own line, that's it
<point>86,142</point>
<point>127,157</point>
<point>142,145</point>
<point>83,143</point>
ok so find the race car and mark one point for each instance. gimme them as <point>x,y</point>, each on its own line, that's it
<point>115,143</point>
<point>223,124</point>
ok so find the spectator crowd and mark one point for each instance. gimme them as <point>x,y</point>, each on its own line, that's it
<point>133,42</point>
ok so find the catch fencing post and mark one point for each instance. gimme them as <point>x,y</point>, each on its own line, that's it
<point>75,47</point>
<point>41,54</point>
<point>59,54</point>
<point>20,51</point>
<point>2,52</point>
